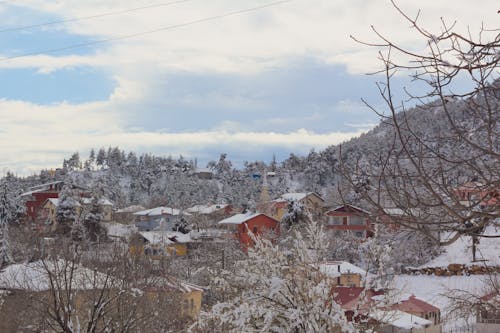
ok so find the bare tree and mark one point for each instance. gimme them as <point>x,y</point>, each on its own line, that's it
<point>441,168</point>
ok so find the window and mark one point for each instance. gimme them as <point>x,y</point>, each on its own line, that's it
<point>357,220</point>
<point>255,230</point>
<point>335,220</point>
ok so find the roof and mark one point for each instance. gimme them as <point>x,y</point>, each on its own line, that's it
<point>349,297</point>
<point>100,202</point>
<point>413,304</point>
<point>349,206</point>
<point>55,202</point>
<point>119,230</point>
<point>158,211</point>
<point>206,209</point>
<point>400,212</point>
<point>241,218</point>
<point>168,281</point>
<point>34,276</point>
<point>130,209</point>
<point>336,268</point>
<point>400,319</point>
<point>297,196</point>
<point>165,237</point>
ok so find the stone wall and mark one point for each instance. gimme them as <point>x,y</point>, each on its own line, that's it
<point>453,270</point>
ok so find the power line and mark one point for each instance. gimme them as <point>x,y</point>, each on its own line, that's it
<point>83,18</point>
<point>171,27</point>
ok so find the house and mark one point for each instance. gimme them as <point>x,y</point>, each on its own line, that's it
<point>400,317</point>
<point>206,216</point>
<point>126,215</point>
<point>344,274</point>
<point>203,173</point>
<point>105,206</point>
<point>472,194</point>
<point>47,214</point>
<point>157,244</point>
<point>349,218</point>
<point>46,219</point>
<point>191,294</point>
<point>313,202</point>
<point>37,196</point>
<point>27,290</point>
<point>394,321</point>
<point>151,219</point>
<point>488,313</point>
<point>413,305</point>
<point>245,224</point>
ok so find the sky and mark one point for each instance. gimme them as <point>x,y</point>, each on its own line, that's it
<point>250,78</point>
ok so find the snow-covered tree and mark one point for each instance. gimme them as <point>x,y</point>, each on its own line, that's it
<point>280,289</point>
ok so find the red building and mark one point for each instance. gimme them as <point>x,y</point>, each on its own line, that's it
<point>476,194</point>
<point>37,196</point>
<point>244,224</point>
<point>349,218</point>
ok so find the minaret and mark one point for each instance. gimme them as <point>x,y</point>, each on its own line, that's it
<point>264,204</point>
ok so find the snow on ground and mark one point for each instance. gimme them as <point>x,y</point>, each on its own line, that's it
<point>460,251</point>
<point>433,289</point>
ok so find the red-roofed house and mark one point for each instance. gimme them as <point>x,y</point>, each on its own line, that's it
<point>488,314</point>
<point>420,308</point>
<point>257,224</point>
<point>349,218</point>
<point>364,302</point>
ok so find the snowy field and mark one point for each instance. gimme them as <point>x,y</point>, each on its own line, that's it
<point>433,289</point>
<point>460,251</point>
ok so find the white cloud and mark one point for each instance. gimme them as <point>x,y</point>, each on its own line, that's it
<point>34,136</point>
<point>251,41</point>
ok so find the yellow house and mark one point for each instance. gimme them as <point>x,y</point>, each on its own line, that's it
<point>344,274</point>
<point>105,205</point>
<point>313,202</point>
<point>189,295</point>
<point>156,244</point>
<point>47,215</point>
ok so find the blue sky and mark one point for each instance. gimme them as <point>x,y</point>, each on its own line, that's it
<point>277,80</point>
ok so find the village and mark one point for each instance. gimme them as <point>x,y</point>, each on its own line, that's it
<point>165,235</point>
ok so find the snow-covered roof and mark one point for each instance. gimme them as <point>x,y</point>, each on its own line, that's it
<point>165,237</point>
<point>105,202</point>
<point>119,230</point>
<point>34,276</point>
<point>56,201</point>
<point>208,234</point>
<point>131,209</point>
<point>297,196</point>
<point>352,206</point>
<point>206,209</point>
<point>100,202</point>
<point>158,211</point>
<point>239,218</point>
<point>336,268</point>
<point>400,319</point>
<point>400,212</point>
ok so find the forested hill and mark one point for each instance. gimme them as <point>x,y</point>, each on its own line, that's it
<point>129,178</point>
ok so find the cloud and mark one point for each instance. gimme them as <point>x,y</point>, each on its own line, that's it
<point>253,41</point>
